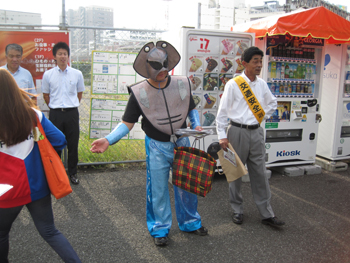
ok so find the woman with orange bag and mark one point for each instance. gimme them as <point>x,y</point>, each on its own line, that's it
<point>22,177</point>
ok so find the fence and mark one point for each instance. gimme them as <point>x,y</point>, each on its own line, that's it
<point>82,42</point>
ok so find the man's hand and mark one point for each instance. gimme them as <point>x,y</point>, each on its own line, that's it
<point>99,146</point>
<point>199,128</point>
<point>224,144</point>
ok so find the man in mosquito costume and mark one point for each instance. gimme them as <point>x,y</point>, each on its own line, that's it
<point>164,102</point>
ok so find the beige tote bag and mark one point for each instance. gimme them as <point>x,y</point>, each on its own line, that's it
<point>231,164</point>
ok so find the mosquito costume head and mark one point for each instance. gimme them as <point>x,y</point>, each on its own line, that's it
<point>152,60</point>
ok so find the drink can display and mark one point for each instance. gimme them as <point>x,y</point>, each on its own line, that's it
<point>288,52</point>
<point>298,88</point>
<point>277,88</point>
<point>290,88</point>
<point>302,88</point>
<point>272,87</point>
<point>281,88</point>
<point>285,88</point>
<point>306,89</point>
<point>310,89</point>
<point>294,88</point>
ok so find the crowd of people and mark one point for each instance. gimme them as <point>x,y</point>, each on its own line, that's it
<point>165,103</point>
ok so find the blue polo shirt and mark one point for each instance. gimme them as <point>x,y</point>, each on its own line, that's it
<point>63,87</point>
<point>24,79</point>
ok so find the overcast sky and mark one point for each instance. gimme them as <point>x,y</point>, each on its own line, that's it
<point>127,13</point>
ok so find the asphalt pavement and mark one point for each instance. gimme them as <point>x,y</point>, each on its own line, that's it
<point>104,220</point>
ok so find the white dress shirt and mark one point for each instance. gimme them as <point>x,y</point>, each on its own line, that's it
<point>234,107</point>
<point>63,87</point>
<point>24,79</point>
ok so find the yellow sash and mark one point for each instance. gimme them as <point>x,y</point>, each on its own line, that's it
<point>250,98</point>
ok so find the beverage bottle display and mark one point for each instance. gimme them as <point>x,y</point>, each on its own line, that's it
<point>286,88</point>
<point>347,89</point>
<point>308,72</point>
<point>306,89</point>
<point>280,51</point>
<point>298,88</point>
<point>291,72</point>
<point>281,88</point>
<point>309,51</point>
<point>347,75</point>
<point>273,70</point>
<point>312,53</point>
<point>288,52</point>
<point>310,89</point>
<point>294,88</point>
<point>268,70</point>
<point>290,88</point>
<point>282,71</point>
<point>286,71</point>
<point>272,87</point>
<point>278,70</point>
<point>313,74</point>
<point>303,76</point>
<point>277,88</point>
<point>299,72</point>
<point>292,53</point>
<point>302,88</point>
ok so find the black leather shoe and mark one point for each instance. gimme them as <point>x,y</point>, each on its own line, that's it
<point>161,241</point>
<point>272,221</point>
<point>73,178</point>
<point>237,218</point>
<point>201,231</point>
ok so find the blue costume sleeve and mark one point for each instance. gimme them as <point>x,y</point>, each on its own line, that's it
<point>194,118</point>
<point>119,132</point>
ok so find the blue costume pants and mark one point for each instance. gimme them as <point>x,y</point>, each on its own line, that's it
<point>159,161</point>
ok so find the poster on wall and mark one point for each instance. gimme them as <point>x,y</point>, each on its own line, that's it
<point>112,72</point>
<point>106,114</point>
<point>37,53</point>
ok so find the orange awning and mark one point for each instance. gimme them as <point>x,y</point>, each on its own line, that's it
<point>317,22</point>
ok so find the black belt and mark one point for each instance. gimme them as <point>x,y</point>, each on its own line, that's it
<point>65,109</point>
<point>244,126</point>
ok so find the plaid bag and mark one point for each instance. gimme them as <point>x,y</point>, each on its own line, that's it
<point>193,170</point>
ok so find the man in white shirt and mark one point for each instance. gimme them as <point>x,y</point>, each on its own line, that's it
<point>22,76</point>
<point>247,137</point>
<point>62,89</point>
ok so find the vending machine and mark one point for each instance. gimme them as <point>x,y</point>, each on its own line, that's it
<point>334,137</point>
<point>292,68</point>
<point>210,58</point>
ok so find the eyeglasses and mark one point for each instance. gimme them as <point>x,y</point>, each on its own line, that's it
<point>157,65</point>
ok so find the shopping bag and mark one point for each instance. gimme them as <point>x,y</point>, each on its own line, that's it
<point>55,172</point>
<point>231,164</point>
<point>193,170</point>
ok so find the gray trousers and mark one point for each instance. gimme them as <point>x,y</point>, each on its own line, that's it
<point>250,147</point>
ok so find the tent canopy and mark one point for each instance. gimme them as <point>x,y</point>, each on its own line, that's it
<point>316,22</point>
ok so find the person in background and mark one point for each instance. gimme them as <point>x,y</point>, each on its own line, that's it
<point>22,76</point>
<point>245,134</point>
<point>164,102</point>
<point>62,89</point>
<point>22,180</point>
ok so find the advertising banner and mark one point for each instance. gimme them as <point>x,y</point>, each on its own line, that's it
<point>37,53</point>
<point>37,49</point>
